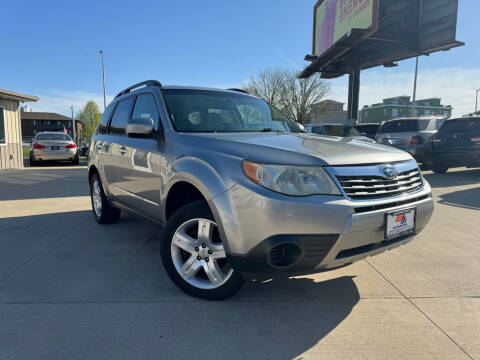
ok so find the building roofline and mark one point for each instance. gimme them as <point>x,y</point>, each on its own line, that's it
<point>12,95</point>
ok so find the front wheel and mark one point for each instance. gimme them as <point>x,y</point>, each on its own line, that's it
<point>194,256</point>
<point>103,212</point>
<point>439,169</point>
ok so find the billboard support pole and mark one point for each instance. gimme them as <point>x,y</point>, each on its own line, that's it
<point>415,89</point>
<point>353,95</point>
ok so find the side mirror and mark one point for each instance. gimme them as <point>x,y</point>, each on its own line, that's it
<point>364,134</point>
<point>140,126</point>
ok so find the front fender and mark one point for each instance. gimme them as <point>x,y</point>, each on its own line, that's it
<point>209,180</point>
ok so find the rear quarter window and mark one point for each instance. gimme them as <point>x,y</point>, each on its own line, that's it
<point>102,125</point>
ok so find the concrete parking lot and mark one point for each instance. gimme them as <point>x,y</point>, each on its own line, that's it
<point>73,289</point>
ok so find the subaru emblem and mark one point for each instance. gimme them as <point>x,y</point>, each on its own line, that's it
<point>390,172</point>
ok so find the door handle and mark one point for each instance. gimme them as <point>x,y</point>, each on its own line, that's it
<point>123,150</point>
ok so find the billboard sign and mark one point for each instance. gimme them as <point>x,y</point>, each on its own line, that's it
<point>333,19</point>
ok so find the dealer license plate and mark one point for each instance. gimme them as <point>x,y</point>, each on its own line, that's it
<point>399,223</point>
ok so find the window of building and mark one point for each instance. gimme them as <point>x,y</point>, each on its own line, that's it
<point>146,107</point>
<point>121,116</point>
<point>3,132</point>
<point>34,122</point>
<point>394,113</point>
<point>428,112</point>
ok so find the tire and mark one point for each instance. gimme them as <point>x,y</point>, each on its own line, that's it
<point>103,212</point>
<point>439,169</point>
<point>207,274</point>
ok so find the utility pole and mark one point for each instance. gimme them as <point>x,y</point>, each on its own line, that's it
<point>415,87</point>
<point>74,128</point>
<point>103,73</point>
<point>476,101</point>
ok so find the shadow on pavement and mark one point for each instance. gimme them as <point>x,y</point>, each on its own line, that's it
<point>67,275</point>
<point>83,162</point>
<point>469,198</point>
<point>41,183</point>
<point>453,178</point>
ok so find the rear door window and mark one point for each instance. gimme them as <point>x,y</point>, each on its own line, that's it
<point>121,116</point>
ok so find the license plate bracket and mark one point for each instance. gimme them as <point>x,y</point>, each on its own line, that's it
<point>400,223</point>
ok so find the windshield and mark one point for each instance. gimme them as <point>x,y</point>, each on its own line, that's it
<point>58,136</point>
<point>336,130</point>
<point>218,111</point>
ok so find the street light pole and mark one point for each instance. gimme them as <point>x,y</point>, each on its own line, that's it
<point>415,87</point>
<point>476,101</point>
<point>74,128</point>
<point>103,73</point>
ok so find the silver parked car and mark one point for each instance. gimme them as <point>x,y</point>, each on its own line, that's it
<point>339,130</point>
<point>410,134</point>
<point>53,146</point>
<point>241,189</point>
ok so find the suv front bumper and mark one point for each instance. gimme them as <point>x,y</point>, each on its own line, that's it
<point>329,231</point>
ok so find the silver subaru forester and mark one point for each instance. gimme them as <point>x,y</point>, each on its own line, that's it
<point>242,190</point>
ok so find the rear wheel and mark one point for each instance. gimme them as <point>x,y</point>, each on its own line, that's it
<point>439,169</point>
<point>103,212</point>
<point>33,162</point>
<point>194,256</point>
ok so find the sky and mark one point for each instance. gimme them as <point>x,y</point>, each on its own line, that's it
<point>50,49</point>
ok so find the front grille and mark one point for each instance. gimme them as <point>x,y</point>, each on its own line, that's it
<point>361,187</point>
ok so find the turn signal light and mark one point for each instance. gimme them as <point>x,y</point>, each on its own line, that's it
<point>71,146</point>
<point>39,146</point>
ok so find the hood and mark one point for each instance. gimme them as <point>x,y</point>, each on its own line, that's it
<point>299,148</point>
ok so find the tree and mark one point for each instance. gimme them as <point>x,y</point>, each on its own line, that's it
<point>90,116</point>
<point>283,89</point>
<point>268,85</point>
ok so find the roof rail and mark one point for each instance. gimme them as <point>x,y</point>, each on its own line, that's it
<point>146,83</point>
<point>239,90</point>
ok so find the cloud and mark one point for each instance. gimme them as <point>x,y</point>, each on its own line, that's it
<point>60,101</point>
<point>455,86</point>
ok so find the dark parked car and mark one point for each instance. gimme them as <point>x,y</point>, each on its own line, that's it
<point>83,151</point>
<point>456,144</point>
<point>369,130</point>
<point>410,134</point>
<point>339,130</point>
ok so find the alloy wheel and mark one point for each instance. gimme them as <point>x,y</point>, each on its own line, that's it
<point>199,255</point>
<point>97,198</point>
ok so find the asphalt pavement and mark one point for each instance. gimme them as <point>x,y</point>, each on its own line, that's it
<point>73,289</point>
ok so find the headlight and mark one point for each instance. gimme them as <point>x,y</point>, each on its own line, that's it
<point>291,180</point>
